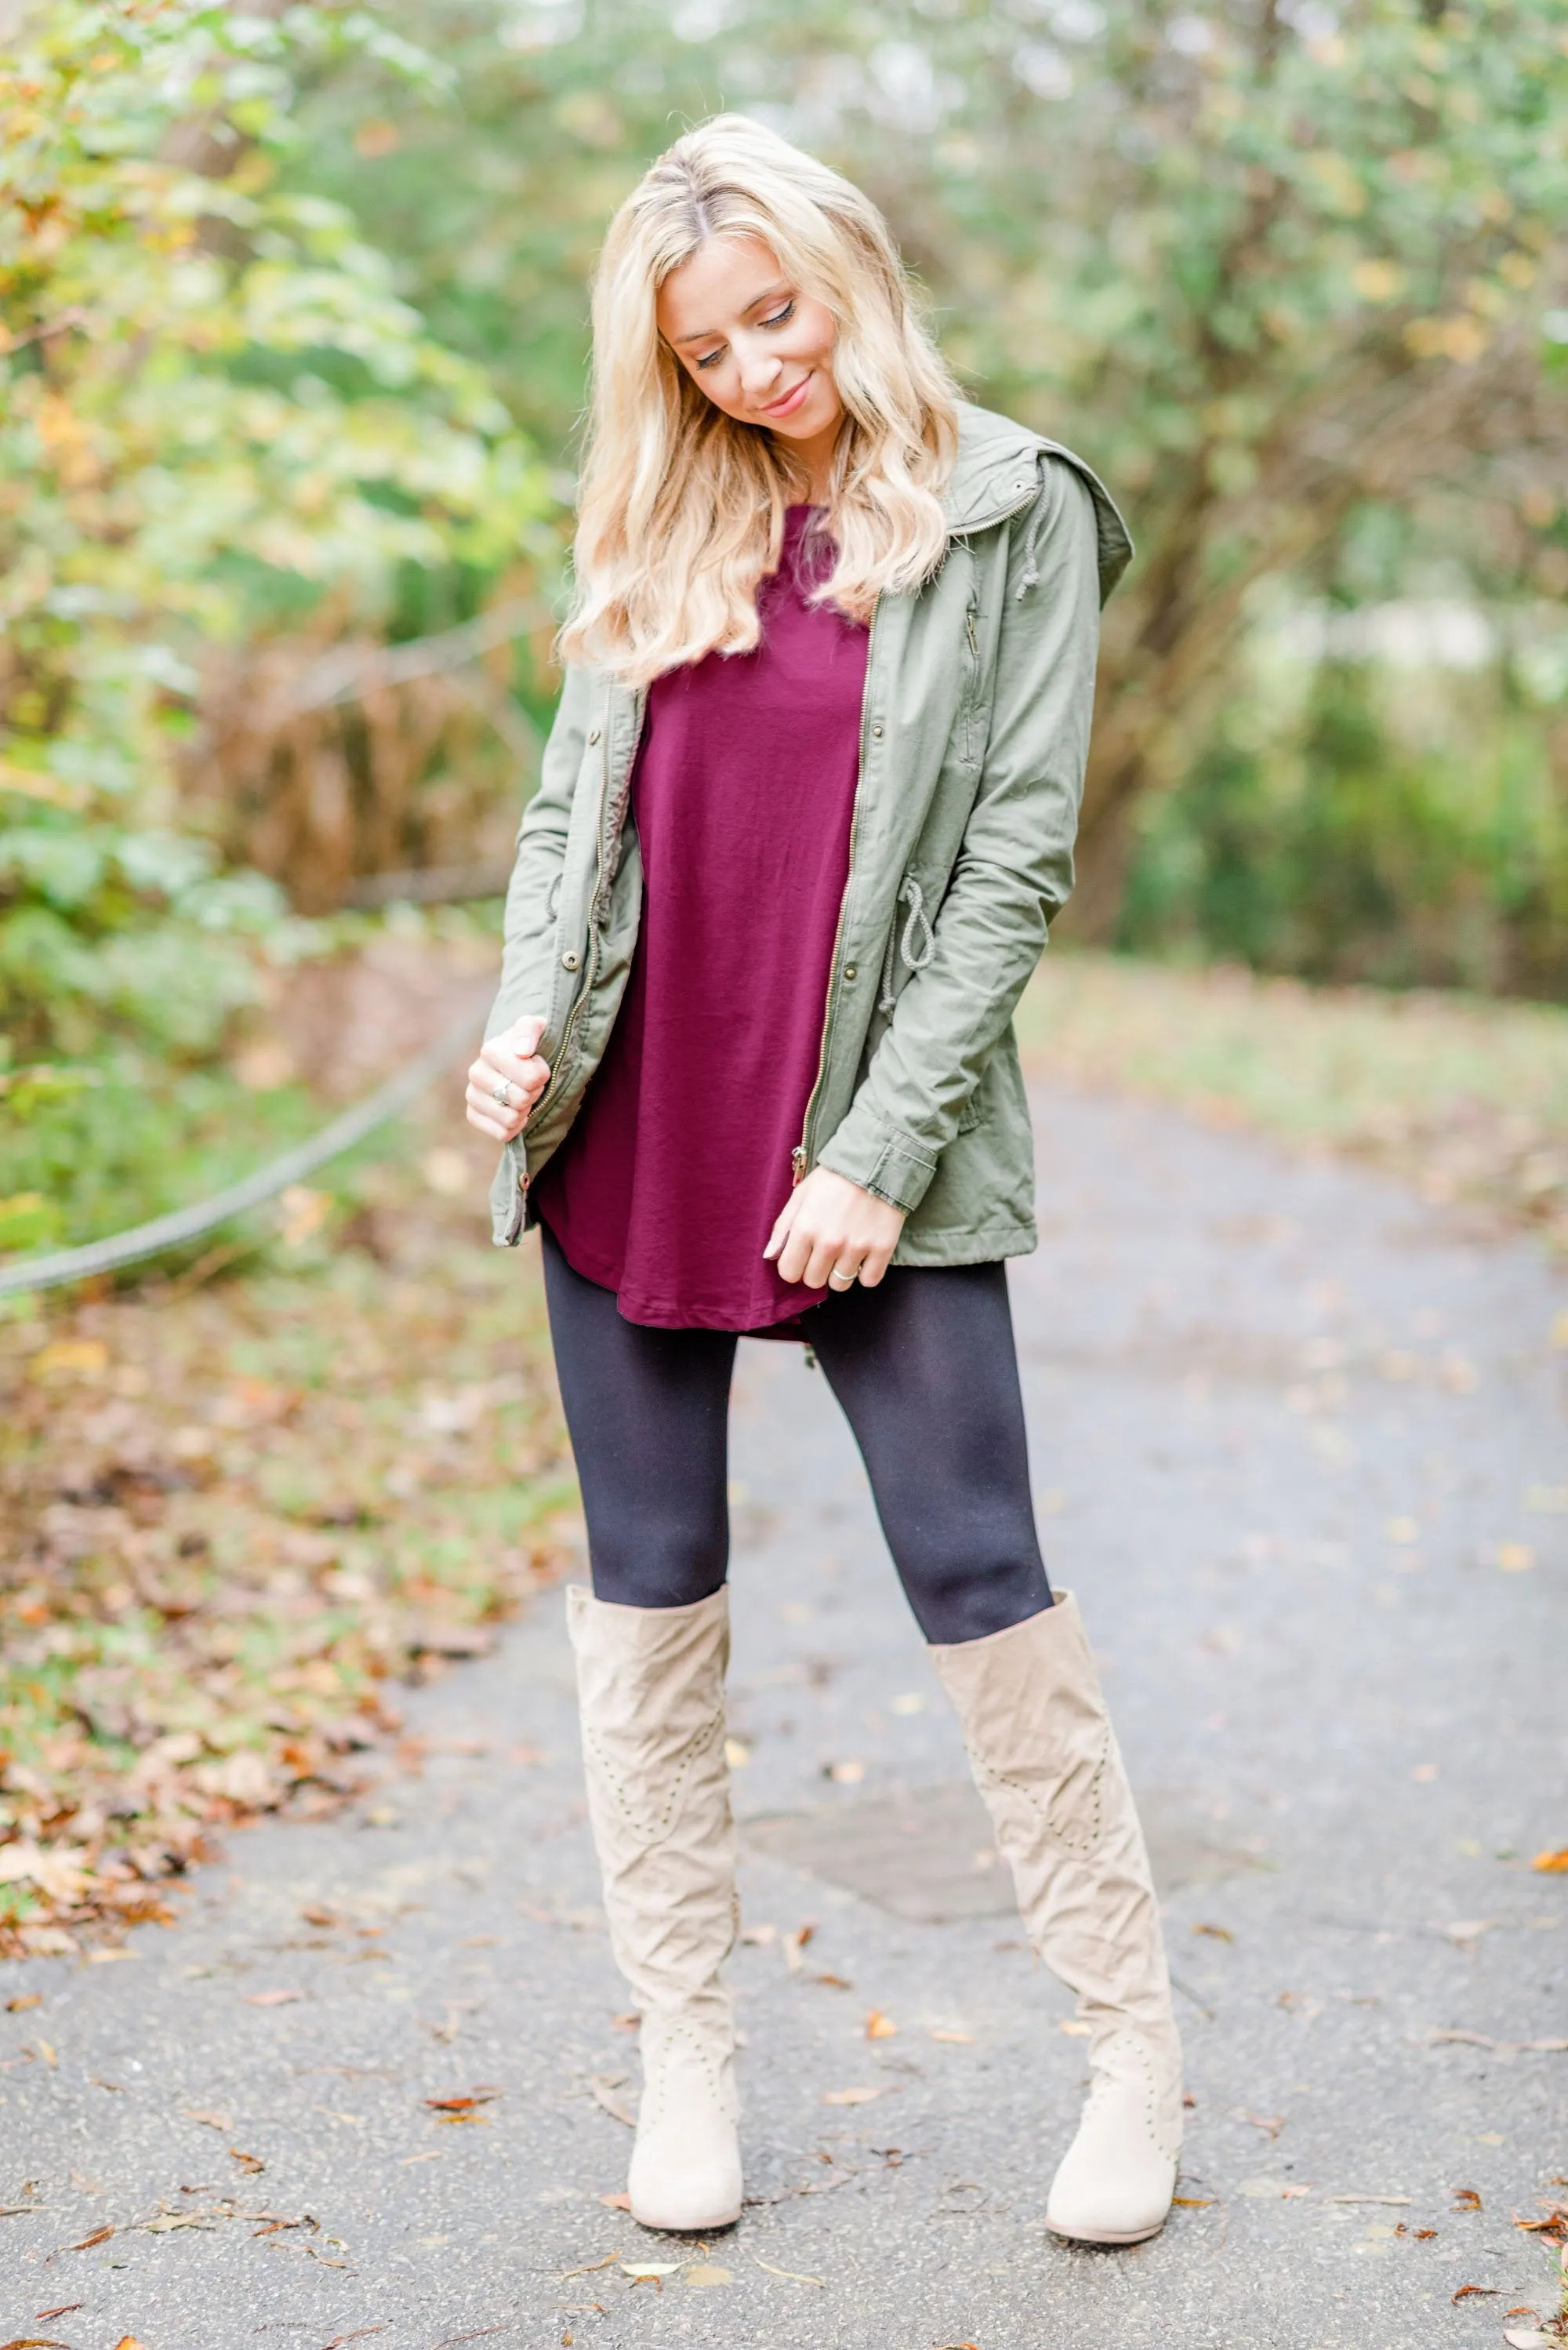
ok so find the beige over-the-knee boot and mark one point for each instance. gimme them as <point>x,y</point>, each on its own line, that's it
<point>650,1684</point>
<point>1046,1761</point>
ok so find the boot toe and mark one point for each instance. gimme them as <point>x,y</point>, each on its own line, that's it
<point>683,2188</point>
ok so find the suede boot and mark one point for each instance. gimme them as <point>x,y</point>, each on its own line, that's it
<point>650,1685</point>
<point>1045,1759</point>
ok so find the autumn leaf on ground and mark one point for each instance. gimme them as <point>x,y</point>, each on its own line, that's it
<point>1466,2200</point>
<point>272,1998</point>
<point>1551,1864</point>
<point>1220,1933</point>
<point>24,1999</point>
<point>879,2026</point>
<point>793,1944</point>
<point>794,2275</point>
<point>249,2163</point>
<point>98,2236</point>
<point>958,2039</point>
<point>1480,2292</point>
<point>222,2122</point>
<point>850,2096</point>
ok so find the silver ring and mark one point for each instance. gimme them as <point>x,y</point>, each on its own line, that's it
<point>503,1093</point>
<point>842,1280</point>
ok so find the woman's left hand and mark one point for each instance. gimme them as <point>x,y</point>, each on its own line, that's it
<point>831,1233</point>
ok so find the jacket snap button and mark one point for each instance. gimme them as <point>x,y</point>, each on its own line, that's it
<point>593,734</point>
<point>570,961</point>
<point>876,730</point>
<point>851,971</point>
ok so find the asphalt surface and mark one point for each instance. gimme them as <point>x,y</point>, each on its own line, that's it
<point>1299,1449</point>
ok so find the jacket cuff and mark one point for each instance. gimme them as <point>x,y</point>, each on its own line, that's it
<point>891,1166</point>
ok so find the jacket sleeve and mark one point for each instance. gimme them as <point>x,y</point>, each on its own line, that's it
<point>528,971</point>
<point>1014,871</point>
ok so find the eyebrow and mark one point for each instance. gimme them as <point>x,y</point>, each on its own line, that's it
<point>712,334</point>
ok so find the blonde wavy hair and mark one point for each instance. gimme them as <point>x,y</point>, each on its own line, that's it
<point>682,508</point>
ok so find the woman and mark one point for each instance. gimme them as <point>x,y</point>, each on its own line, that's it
<point>807,810</point>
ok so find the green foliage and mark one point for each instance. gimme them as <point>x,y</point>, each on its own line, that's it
<point>1293,277</point>
<point>213,409</point>
<point>1340,843</point>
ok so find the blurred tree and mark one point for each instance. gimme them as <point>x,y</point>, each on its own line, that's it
<point>1277,267</point>
<point>216,414</point>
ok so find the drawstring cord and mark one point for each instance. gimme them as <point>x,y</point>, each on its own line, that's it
<point>1031,573</point>
<point>915,956</point>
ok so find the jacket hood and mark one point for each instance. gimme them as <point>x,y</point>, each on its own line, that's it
<point>997,471</point>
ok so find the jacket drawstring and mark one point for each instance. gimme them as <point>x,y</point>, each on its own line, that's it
<point>1031,573</point>
<point>915,957</point>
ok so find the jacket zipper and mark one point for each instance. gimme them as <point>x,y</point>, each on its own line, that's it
<point>610,829</point>
<point>800,1157</point>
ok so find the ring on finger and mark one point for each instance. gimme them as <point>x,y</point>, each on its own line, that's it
<point>839,1279</point>
<point>503,1093</point>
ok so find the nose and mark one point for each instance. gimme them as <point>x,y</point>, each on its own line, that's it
<point>761,370</point>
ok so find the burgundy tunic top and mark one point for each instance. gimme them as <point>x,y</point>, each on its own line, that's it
<point>668,1184</point>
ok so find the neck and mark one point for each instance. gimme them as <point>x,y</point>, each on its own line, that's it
<point>816,456</point>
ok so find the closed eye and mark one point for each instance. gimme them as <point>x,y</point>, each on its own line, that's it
<point>780,317</point>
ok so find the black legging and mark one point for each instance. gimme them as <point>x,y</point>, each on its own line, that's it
<point>925,1368</point>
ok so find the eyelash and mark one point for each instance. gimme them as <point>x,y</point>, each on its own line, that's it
<point>780,318</point>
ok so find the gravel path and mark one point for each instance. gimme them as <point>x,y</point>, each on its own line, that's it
<point>1296,1447</point>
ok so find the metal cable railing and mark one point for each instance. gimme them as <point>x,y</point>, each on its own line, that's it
<point>61,1265</point>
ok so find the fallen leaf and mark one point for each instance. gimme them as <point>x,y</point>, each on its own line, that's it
<point>1480,2292</point>
<point>630,2021</point>
<point>1466,2200</point>
<point>602,2086</point>
<point>615,2202</point>
<point>879,2026</point>
<point>1527,2338</point>
<point>590,2268</point>
<point>128,2342</point>
<point>703,2273</point>
<point>1424,2235</point>
<point>1484,2040</point>
<point>958,2039</point>
<point>25,1999</point>
<point>650,2271</point>
<point>1195,2202</point>
<point>37,2341</point>
<point>223,2122</point>
<point>464,2103</point>
<point>793,1944</point>
<point>1272,2123</point>
<point>835,1982</point>
<point>47,2051</point>
<point>759,1936</point>
<point>250,2163</point>
<point>98,2236</point>
<point>107,1958</point>
<point>849,2097</point>
<point>1073,2029</point>
<point>1400,2199</point>
<point>794,2275</point>
<point>1220,1933</point>
<point>272,1998</point>
<point>1551,1864</point>
<point>316,1917</point>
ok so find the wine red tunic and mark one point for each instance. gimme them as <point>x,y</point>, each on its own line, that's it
<point>667,1187</point>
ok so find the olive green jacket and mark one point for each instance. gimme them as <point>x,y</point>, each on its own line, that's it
<point>974,734</point>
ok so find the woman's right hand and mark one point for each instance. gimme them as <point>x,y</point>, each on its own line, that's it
<point>507,1080</point>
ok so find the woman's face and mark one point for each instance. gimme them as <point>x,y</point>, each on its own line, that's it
<point>761,350</point>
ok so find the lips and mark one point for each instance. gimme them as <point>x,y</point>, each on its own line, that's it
<point>791,400</point>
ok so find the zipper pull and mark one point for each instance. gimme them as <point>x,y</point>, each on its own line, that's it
<point>797,1164</point>
<point>969,628</point>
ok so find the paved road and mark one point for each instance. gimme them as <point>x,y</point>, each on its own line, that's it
<point>1285,1431</point>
